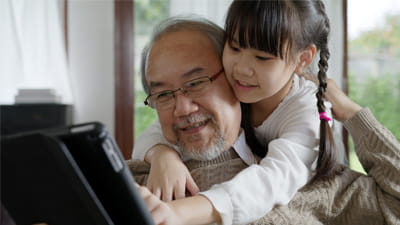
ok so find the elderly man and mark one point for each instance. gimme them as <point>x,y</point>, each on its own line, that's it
<point>203,117</point>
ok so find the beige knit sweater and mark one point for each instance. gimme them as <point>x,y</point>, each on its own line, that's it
<point>350,198</point>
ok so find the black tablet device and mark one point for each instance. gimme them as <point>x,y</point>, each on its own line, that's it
<point>70,175</point>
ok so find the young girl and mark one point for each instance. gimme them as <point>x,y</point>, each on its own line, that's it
<point>267,44</point>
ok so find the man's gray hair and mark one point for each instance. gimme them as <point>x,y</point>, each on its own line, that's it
<point>174,24</point>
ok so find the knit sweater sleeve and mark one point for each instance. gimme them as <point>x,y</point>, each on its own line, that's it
<point>378,151</point>
<point>351,197</point>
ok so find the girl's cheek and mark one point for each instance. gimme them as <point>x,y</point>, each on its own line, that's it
<point>226,65</point>
<point>228,61</point>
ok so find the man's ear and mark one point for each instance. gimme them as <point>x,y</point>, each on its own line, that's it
<point>305,58</point>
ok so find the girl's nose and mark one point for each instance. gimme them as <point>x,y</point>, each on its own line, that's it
<point>243,67</point>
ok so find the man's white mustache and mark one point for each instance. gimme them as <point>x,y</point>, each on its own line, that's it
<point>190,120</point>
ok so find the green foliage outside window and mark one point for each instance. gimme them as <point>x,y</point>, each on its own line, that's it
<point>144,115</point>
<point>379,90</point>
<point>382,95</point>
<point>148,13</point>
<point>384,39</point>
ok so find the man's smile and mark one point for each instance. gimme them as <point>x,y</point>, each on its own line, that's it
<point>195,126</point>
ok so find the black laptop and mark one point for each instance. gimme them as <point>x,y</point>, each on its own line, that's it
<point>71,175</point>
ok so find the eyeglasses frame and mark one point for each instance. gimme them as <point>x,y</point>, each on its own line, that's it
<point>212,78</point>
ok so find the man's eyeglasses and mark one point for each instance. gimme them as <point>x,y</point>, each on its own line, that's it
<point>195,88</point>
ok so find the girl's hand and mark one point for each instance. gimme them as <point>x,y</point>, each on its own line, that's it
<point>169,178</point>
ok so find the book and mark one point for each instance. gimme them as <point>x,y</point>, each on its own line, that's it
<point>32,96</point>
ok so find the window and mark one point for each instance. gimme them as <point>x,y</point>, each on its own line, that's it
<point>147,15</point>
<point>373,56</point>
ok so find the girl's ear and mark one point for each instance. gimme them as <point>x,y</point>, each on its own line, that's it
<point>305,58</point>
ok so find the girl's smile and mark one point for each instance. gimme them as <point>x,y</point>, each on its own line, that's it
<point>244,84</point>
<point>254,79</point>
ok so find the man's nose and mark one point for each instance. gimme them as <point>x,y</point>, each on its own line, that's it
<point>184,105</point>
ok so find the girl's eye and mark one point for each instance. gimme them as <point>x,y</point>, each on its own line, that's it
<point>234,48</point>
<point>262,58</point>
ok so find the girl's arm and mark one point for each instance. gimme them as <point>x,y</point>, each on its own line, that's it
<point>168,178</point>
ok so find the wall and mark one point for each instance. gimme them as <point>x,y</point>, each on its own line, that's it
<point>335,13</point>
<point>336,44</point>
<point>91,60</point>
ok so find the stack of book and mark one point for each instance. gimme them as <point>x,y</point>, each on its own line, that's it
<point>32,96</point>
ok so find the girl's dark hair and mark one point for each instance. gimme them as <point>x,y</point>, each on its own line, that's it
<point>282,28</point>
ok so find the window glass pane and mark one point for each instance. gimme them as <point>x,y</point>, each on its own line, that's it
<point>373,63</point>
<point>147,14</point>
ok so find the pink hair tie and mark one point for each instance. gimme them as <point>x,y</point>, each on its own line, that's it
<point>324,116</point>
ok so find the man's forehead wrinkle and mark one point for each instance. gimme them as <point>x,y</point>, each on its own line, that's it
<point>177,57</point>
<point>188,74</point>
<point>155,84</point>
<point>193,71</point>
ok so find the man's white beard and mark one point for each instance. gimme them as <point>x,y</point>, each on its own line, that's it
<point>204,153</point>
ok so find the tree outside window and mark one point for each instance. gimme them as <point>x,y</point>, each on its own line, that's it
<point>374,72</point>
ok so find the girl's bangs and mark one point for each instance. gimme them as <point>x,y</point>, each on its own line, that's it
<point>259,26</point>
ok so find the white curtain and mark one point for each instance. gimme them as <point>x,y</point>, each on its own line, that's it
<point>32,47</point>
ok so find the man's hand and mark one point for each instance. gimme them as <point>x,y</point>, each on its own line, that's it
<point>169,178</point>
<point>343,108</point>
